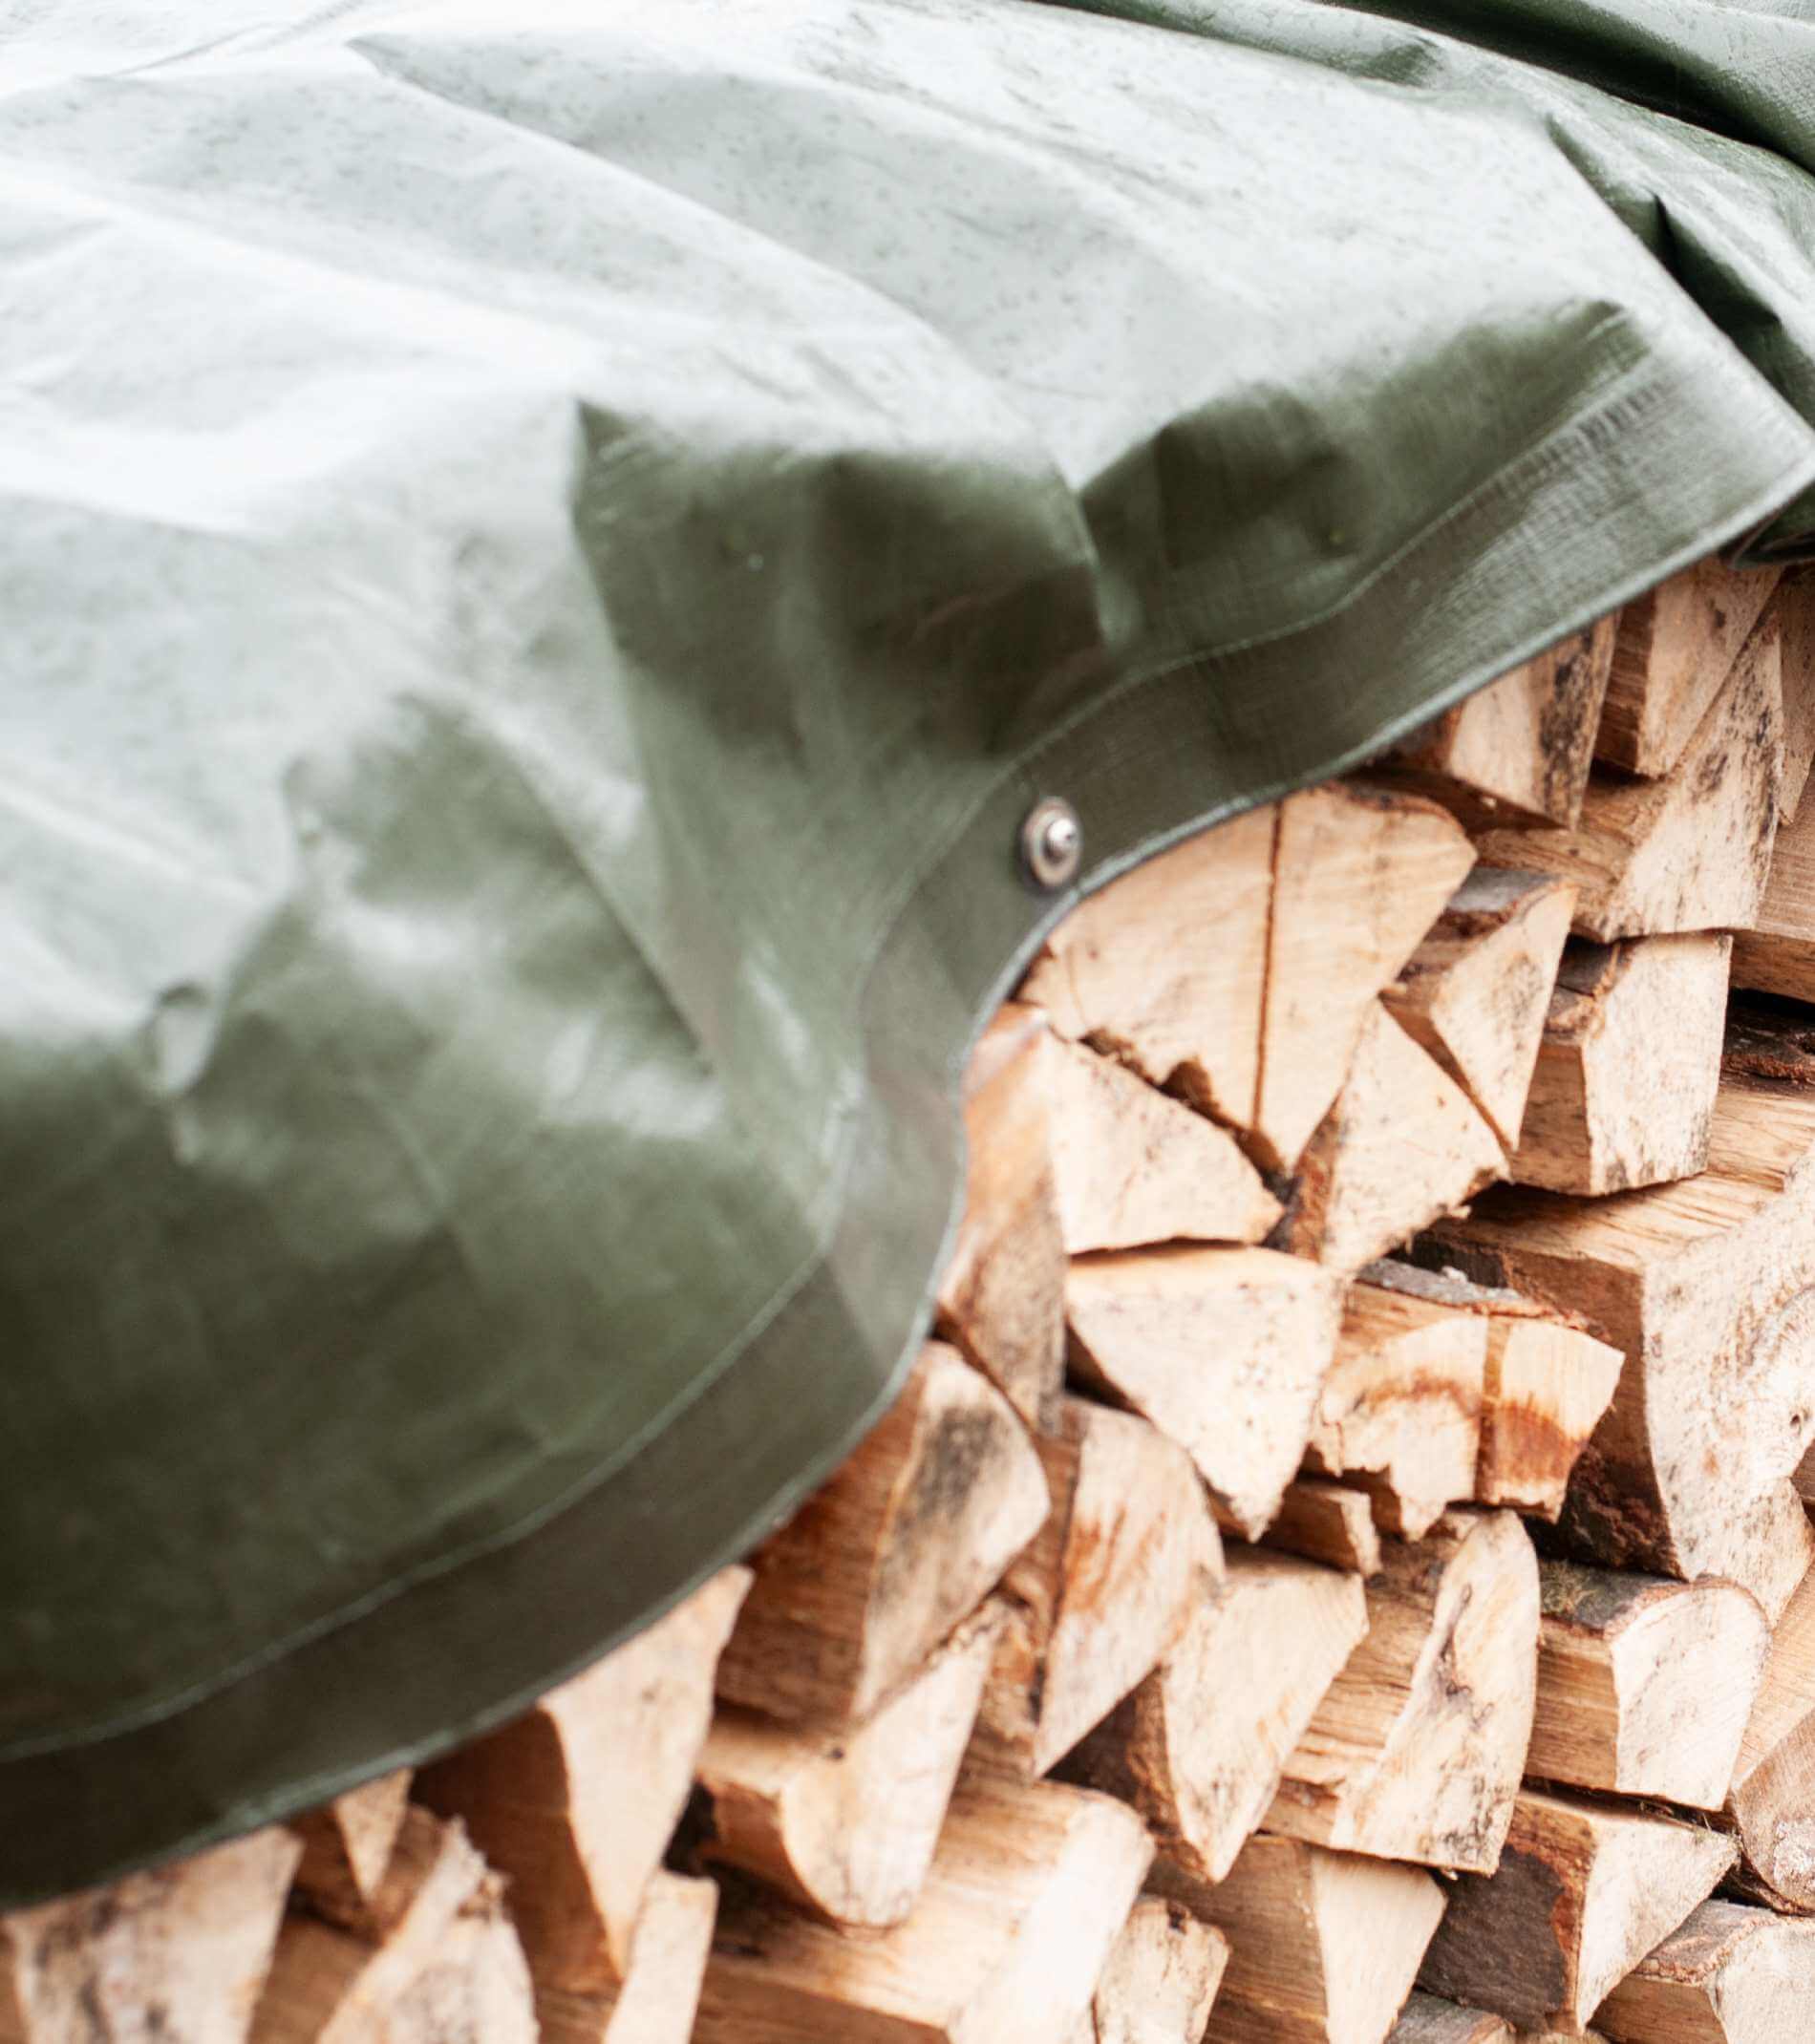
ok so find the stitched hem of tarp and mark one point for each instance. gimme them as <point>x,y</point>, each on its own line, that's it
<point>993,943</point>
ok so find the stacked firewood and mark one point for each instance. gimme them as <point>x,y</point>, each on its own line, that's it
<point>1338,1572</point>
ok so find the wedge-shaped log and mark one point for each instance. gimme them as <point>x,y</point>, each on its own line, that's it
<point>576,1802</point>
<point>1416,1751</point>
<point>1426,2019</point>
<point>1626,1079</point>
<point>1323,1945</point>
<point>1002,1296</point>
<point>1164,967</point>
<point>1160,1981</point>
<point>1198,1748</point>
<point>1476,992</point>
<point>1360,874</point>
<point>1519,750</point>
<point>845,1823</point>
<point>1644,1684</point>
<point>657,2003</point>
<point>441,1960</point>
<point>180,1952</point>
<point>1545,1384</point>
<point>1027,1897</point>
<point>1775,952</point>
<point>1324,1520</point>
<point>1224,1350</point>
<point>1402,1144</point>
<point>909,1535</point>
<point>1706,1288</point>
<point>1772,1797</point>
<point>1127,1553</point>
<point>1582,1894</point>
<point>1673,649</point>
<point>1730,1975</point>
<point>1688,852</point>
<point>1402,1403</point>
<point>1794,606</point>
<point>1134,1166</point>
<point>346,1847</point>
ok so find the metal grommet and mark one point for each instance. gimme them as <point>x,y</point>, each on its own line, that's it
<point>1052,843</point>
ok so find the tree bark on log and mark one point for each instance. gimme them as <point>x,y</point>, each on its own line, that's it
<point>1644,1684</point>
<point>1519,750</point>
<point>1730,1975</point>
<point>1582,1894</point>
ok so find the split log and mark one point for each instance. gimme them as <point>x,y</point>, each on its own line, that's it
<point>1644,1684</point>
<point>1519,750</point>
<point>1730,1975</point>
<point>1793,603</point>
<point>1417,1749</point>
<point>657,2003</point>
<point>1544,1385</point>
<point>346,1847</point>
<point>1772,1797</point>
<point>1160,1981</point>
<point>909,1535</point>
<point>1477,990</point>
<point>1164,967</point>
<point>1199,1746</point>
<point>1402,1403</point>
<point>1686,853</point>
<point>1706,1286</point>
<point>1401,1146</point>
<point>1224,1350</point>
<point>1323,1946</point>
<point>1360,875</point>
<point>1134,1166</point>
<point>845,1823</point>
<point>1002,1296</point>
<point>1775,952</point>
<point>1582,1894</point>
<point>1127,1552</point>
<point>1428,2020</point>
<point>1674,646</point>
<point>441,1960</point>
<point>1630,1061</point>
<point>1027,1896</point>
<point>180,1952</point>
<point>576,1802</point>
<point>1323,1520</point>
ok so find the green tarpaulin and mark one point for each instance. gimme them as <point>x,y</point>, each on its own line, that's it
<point>546,551</point>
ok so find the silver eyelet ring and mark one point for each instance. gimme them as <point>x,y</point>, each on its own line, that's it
<point>1052,843</point>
